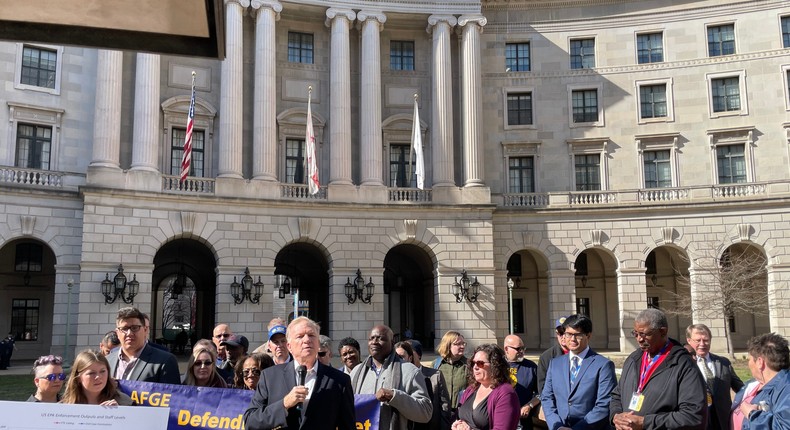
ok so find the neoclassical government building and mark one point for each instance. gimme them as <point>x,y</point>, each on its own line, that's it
<point>598,156</point>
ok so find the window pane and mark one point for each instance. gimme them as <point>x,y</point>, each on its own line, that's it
<point>583,54</point>
<point>24,319</point>
<point>517,57</point>
<point>588,174</point>
<point>786,31</point>
<point>38,67</point>
<point>721,40</point>
<point>585,105</point>
<point>519,109</point>
<point>33,146</point>
<point>196,167</point>
<point>300,48</point>
<point>294,161</point>
<point>726,94</point>
<point>657,169</point>
<point>399,166</point>
<point>521,175</point>
<point>401,55</point>
<point>731,164</point>
<point>650,48</point>
<point>653,101</point>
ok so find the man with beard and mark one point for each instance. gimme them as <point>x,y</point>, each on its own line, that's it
<point>659,388</point>
<point>399,386</point>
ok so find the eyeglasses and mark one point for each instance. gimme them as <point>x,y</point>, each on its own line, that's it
<point>517,348</point>
<point>53,376</point>
<point>322,353</point>
<point>635,333</point>
<point>459,343</point>
<point>575,336</point>
<point>251,372</point>
<point>203,363</point>
<point>48,359</point>
<point>223,336</point>
<point>478,363</point>
<point>130,329</point>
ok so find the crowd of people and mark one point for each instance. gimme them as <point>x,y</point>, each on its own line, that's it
<point>664,384</point>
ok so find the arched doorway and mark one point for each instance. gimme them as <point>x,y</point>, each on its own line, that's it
<point>743,292</point>
<point>184,284</point>
<point>596,296</point>
<point>409,293</point>
<point>308,271</point>
<point>667,287</point>
<point>528,270</point>
<point>27,290</point>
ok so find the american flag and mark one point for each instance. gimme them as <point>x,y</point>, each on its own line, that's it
<point>186,159</point>
<point>312,164</point>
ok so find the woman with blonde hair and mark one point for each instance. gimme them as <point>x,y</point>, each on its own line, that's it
<point>202,369</point>
<point>452,363</point>
<point>90,382</point>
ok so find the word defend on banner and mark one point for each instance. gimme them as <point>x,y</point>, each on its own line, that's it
<point>57,416</point>
<point>219,408</point>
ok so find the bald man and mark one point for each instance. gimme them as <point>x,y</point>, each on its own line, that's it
<point>525,373</point>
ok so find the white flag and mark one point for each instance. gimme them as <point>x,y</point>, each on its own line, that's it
<point>309,140</point>
<point>416,144</point>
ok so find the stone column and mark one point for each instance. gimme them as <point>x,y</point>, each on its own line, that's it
<point>471,100</point>
<point>230,102</point>
<point>631,299</point>
<point>339,20</point>
<point>778,297</point>
<point>442,102</point>
<point>145,146</point>
<point>264,136</point>
<point>107,111</point>
<point>562,295</point>
<point>370,98</point>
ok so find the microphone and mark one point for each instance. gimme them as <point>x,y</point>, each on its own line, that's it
<point>302,371</point>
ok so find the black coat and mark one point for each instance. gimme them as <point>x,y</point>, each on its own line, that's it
<point>675,396</point>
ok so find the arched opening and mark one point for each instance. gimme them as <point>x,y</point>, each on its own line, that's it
<point>596,296</point>
<point>667,287</point>
<point>27,290</point>
<point>409,293</point>
<point>308,271</point>
<point>527,269</point>
<point>743,288</point>
<point>184,288</point>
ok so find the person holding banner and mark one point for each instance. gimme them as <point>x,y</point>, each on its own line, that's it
<point>302,393</point>
<point>90,382</point>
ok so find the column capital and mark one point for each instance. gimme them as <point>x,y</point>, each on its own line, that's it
<point>480,20</point>
<point>274,5</point>
<point>364,15</point>
<point>336,12</point>
<point>433,20</point>
<point>242,3</point>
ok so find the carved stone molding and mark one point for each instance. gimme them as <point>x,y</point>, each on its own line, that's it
<point>188,223</point>
<point>597,237</point>
<point>27,223</point>
<point>305,225</point>
<point>668,234</point>
<point>744,231</point>
<point>411,228</point>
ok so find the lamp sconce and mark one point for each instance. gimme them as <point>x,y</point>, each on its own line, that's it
<point>284,285</point>
<point>466,289</point>
<point>247,289</point>
<point>514,282</point>
<point>118,287</point>
<point>359,289</point>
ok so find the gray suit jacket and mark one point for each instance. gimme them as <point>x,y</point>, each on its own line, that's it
<point>153,365</point>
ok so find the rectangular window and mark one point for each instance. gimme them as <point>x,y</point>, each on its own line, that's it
<point>300,47</point>
<point>732,324</point>
<point>196,167</point>
<point>652,302</point>
<point>726,94</point>
<point>401,55</point>
<point>294,161</point>
<point>588,172</point>
<point>721,40</point>
<point>518,316</point>
<point>24,319</point>
<point>29,257</point>
<point>585,105</point>
<point>519,109</point>
<point>583,306</point>
<point>521,174</point>
<point>658,170</point>
<point>399,166</point>
<point>653,101</point>
<point>517,57</point>
<point>33,145</point>
<point>731,163</point>
<point>786,31</point>
<point>583,54</point>
<point>39,67</point>
<point>650,48</point>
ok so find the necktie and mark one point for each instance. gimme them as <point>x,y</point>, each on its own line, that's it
<point>706,370</point>
<point>574,368</point>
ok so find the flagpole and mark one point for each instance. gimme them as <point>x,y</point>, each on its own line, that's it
<point>306,144</point>
<point>411,146</point>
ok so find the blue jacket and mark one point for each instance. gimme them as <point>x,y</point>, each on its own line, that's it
<point>776,395</point>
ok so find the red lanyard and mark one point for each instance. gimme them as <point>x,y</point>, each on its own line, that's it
<point>649,366</point>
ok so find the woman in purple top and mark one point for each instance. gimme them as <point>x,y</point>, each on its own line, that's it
<point>489,401</point>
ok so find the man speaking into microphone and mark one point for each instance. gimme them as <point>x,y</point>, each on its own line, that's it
<point>303,393</point>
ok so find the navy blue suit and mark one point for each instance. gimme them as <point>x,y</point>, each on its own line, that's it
<point>585,404</point>
<point>331,404</point>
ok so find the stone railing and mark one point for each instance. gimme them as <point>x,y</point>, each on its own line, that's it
<point>663,194</point>
<point>589,198</point>
<point>526,200</point>
<point>738,190</point>
<point>409,195</point>
<point>190,185</point>
<point>41,178</point>
<point>301,192</point>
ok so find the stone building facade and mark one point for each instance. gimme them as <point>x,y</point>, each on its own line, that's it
<point>600,155</point>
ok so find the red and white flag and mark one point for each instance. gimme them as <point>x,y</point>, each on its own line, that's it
<point>309,140</point>
<point>186,159</point>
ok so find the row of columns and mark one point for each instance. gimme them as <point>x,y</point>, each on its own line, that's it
<point>147,94</point>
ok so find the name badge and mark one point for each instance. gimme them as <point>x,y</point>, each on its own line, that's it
<point>636,402</point>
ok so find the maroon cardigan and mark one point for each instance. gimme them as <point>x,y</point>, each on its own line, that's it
<point>502,404</point>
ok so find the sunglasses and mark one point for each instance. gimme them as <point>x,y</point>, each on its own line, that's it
<point>251,372</point>
<point>478,363</point>
<point>322,353</point>
<point>517,348</point>
<point>204,363</point>
<point>53,376</point>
